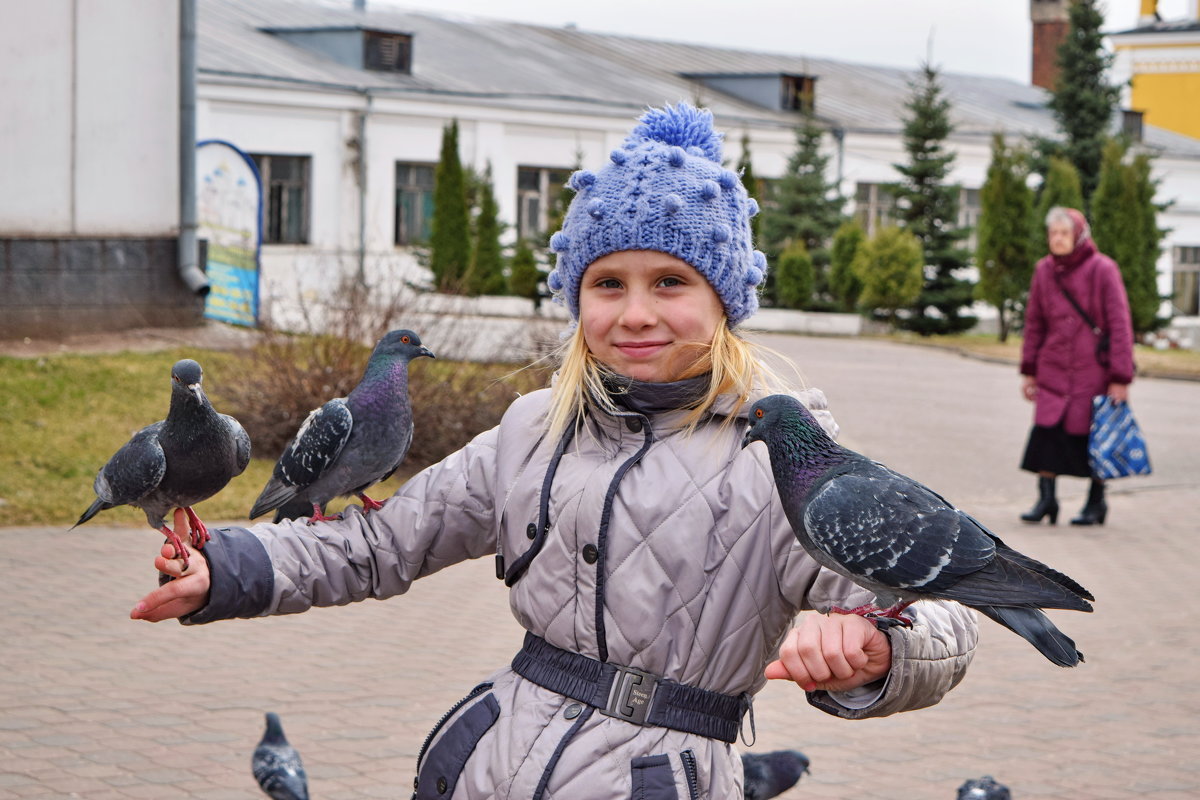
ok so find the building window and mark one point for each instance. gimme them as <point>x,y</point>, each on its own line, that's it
<point>285,181</point>
<point>538,189</point>
<point>414,202</point>
<point>970,209</point>
<point>874,207</point>
<point>1185,282</point>
<point>387,52</point>
<point>798,93</point>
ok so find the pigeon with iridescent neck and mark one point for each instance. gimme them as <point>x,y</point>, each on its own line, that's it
<point>176,462</point>
<point>902,541</point>
<point>350,443</point>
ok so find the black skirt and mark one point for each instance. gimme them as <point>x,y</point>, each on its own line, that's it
<point>1054,450</point>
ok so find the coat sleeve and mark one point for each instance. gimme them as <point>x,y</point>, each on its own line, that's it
<point>1035,322</point>
<point>440,517</point>
<point>1117,321</point>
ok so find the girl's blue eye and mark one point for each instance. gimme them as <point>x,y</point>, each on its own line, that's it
<point>609,283</point>
<point>671,281</point>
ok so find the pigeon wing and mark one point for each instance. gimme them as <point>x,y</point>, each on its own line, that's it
<point>242,440</point>
<point>135,470</point>
<point>318,443</point>
<point>892,531</point>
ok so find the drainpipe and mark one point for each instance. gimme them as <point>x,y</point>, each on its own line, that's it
<point>839,135</point>
<point>362,188</point>
<point>189,270</point>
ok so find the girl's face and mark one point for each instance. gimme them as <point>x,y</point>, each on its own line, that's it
<point>1061,236</point>
<point>642,312</point>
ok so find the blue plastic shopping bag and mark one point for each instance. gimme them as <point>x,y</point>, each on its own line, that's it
<point>1116,447</point>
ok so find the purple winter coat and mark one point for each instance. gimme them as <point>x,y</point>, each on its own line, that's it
<point>1060,348</point>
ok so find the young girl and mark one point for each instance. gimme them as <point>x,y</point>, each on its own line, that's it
<point>648,556</point>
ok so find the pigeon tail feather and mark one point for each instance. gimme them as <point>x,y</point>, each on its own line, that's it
<point>275,494</point>
<point>1036,628</point>
<point>95,508</point>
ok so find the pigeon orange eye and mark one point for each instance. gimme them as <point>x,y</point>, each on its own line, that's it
<point>404,339</point>
<point>758,413</point>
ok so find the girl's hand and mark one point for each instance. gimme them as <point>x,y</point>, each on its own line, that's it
<point>834,652</point>
<point>188,591</point>
<point>1029,387</point>
<point>1119,392</point>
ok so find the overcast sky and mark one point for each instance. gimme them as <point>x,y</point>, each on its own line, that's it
<point>984,37</point>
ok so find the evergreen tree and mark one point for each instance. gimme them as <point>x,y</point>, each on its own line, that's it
<point>524,277</point>
<point>891,267</point>
<point>450,231</point>
<point>928,208</point>
<point>806,207</point>
<point>1083,101</point>
<point>1004,254</point>
<point>1126,228</point>
<point>750,182</point>
<point>486,275</point>
<point>844,282</point>
<point>794,276</point>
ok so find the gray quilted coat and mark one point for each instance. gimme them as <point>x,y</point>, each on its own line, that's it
<point>663,552</point>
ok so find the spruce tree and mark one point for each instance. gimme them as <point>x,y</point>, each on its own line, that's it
<point>805,207</point>
<point>844,282</point>
<point>794,276</point>
<point>524,276</point>
<point>928,208</point>
<point>486,275</point>
<point>450,230</point>
<point>890,265</point>
<point>1004,254</point>
<point>1083,101</point>
<point>1125,227</point>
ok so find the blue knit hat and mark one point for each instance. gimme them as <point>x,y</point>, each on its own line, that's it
<point>665,190</point>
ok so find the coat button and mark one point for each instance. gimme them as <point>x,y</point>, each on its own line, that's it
<point>573,711</point>
<point>442,786</point>
<point>531,531</point>
<point>634,424</point>
<point>590,553</point>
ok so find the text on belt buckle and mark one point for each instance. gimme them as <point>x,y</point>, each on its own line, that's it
<point>632,691</point>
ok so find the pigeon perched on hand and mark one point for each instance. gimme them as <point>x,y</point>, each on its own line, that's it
<point>899,539</point>
<point>767,775</point>
<point>176,462</point>
<point>277,766</point>
<point>350,443</point>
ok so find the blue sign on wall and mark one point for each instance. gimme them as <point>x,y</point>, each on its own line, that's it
<point>229,216</point>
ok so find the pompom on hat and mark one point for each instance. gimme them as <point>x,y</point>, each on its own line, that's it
<point>664,189</point>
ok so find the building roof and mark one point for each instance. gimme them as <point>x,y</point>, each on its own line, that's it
<point>533,67</point>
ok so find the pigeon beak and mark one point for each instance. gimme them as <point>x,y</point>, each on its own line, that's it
<point>196,389</point>
<point>425,351</point>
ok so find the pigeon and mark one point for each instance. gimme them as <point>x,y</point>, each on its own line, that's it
<point>276,764</point>
<point>768,775</point>
<point>350,443</point>
<point>901,540</point>
<point>176,462</point>
<point>984,788</point>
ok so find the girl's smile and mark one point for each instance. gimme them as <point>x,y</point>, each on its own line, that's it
<point>647,314</point>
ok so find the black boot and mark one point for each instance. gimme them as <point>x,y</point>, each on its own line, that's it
<point>1047,504</point>
<point>1095,510</point>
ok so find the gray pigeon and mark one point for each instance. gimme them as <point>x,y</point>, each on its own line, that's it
<point>350,443</point>
<point>767,775</point>
<point>902,541</point>
<point>176,462</point>
<point>277,766</point>
<point>984,788</point>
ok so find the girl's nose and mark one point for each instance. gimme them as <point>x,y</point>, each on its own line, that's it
<point>639,311</point>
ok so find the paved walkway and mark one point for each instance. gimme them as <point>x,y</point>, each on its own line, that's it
<point>94,705</point>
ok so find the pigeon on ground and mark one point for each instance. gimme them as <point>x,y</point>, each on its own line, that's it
<point>350,443</point>
<point>902,541</point>
<point>176,462</point>
<point>277,766</point>
<point>984,788</point>
<point>771,774</point>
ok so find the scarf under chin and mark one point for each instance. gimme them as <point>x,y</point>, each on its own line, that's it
<point>1084,250</point>
<point>648,398</point>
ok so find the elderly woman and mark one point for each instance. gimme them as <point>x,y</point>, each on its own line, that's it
<point>1078,344</point>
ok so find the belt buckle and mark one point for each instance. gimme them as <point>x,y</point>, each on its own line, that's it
<point>631,694</point>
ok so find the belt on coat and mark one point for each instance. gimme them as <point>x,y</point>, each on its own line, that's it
<point>633,695</point>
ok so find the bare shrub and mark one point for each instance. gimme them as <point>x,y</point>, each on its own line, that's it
<point>287,375</point>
